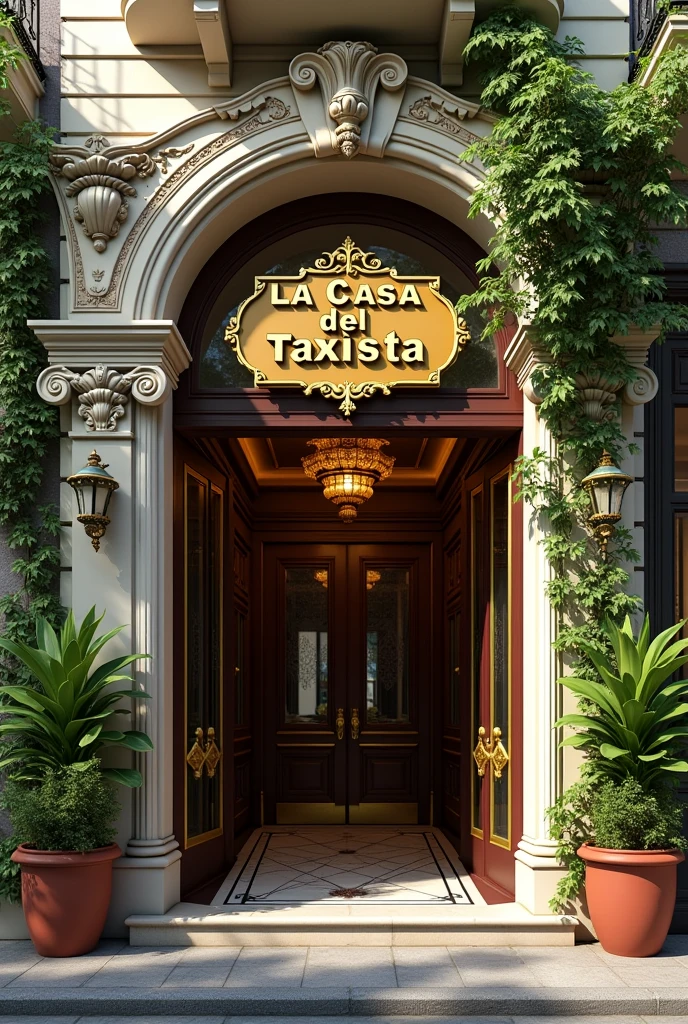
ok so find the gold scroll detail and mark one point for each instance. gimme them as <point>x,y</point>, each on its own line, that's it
<point>493,750</point>
<point>204,754</point>
<point>349,258</point>
<point>482,753</point>
<point>340,723</point>
<point>499,757</point>
<point>355,724</point>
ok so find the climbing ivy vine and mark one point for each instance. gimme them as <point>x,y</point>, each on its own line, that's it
<point>27,424</point>
<point>577,180</point>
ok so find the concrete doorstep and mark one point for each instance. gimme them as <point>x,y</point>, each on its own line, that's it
<point>503,1003</point>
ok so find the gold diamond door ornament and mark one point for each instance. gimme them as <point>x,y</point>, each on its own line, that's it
<point>347,327</point>
<point>204,754</point>
<point>481,754</point>
<point>493,750</point>
<point>499,756</point>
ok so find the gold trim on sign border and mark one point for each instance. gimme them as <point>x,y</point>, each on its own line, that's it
<point>348,258</point>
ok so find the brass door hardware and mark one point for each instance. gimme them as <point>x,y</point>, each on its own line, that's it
<point>204,754</point>
<point>500,758</point>
<point>355,724</point>
<point>340,723</point>
<point>482,753</point>
<point>493,750</point>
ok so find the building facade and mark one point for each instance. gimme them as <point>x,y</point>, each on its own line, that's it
<point>306,671</point>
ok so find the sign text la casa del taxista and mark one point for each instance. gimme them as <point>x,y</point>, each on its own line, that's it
<point>347,327</point>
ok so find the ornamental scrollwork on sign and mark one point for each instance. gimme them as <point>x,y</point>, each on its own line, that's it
<point>348,258</point>
<point>348,391</point>
<point>103,393</point>
<point>347,327</point>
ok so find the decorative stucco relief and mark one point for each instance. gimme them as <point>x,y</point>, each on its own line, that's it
<point>340,115</point>
<point>253,115</point>
<point>443,115</point>
<point>103,393</point>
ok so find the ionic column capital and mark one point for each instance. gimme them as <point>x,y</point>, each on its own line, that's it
<point>103,392</point>
<point>597,394</point>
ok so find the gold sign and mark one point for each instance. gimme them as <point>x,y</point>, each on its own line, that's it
<point>347,327</point>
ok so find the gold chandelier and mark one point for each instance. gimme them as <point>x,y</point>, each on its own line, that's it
<point>348,468</point>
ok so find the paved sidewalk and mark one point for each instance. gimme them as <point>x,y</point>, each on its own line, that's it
<point>214,984</point>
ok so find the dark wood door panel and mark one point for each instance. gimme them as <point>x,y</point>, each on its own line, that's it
<point>389,775</point>
<point>305,776</point>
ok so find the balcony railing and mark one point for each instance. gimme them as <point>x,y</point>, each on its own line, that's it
<point>26,27</point>
<point>645,23</point>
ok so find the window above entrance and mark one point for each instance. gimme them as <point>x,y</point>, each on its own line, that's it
<point>218,365</point>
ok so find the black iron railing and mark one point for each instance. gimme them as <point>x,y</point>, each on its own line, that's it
<point>645,23</point>
<point>26,27</point>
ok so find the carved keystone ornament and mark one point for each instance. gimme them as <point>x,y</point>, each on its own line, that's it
<point>101,186</point>
<point>349,74</point>
<point>347,327</point>
<point>103,393</point>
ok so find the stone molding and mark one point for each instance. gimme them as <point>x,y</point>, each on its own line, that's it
<point>148,356</point>
<point>341,119</point>
<point>597,394</point>
<point>103,393</point>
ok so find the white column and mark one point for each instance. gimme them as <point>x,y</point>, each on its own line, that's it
<point>119,379</point>
<point>146,880</point>
<point>537,870</point>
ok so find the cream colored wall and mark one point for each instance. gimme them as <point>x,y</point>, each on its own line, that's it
<point>111,87</point>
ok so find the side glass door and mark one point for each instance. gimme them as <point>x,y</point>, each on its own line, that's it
<point>202,715</point>
<point>493,672</point>
<point>387,719</point>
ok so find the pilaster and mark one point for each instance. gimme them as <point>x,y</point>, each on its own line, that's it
<point>545,773</point>
<point>118,380</point>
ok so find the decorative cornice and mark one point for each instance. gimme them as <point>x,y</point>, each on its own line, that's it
<point>349,74</point>
<point>597,394</point>
<point>154,347</point>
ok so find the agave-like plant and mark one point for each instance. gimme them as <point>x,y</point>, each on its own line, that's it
<point>639,720</point>
<point>62,723</point>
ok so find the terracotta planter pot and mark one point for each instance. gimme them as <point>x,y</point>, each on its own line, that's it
<point>631,896</point>
<point>65,897</point>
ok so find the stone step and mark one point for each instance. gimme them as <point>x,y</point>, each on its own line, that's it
<point>506,924</point>
<point>505,1004</point>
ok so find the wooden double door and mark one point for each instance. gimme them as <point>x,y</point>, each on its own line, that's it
<point>347,674</point>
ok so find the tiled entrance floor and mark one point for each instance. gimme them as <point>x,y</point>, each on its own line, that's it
<point>332,865</point>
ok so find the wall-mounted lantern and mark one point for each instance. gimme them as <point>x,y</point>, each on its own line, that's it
<point>93,487</point>
<point>606,486</point>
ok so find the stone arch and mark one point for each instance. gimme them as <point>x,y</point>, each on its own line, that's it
<point>142,221</point>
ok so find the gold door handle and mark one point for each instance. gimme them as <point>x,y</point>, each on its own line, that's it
<point>499,756</point>
<point>204,754</point>
<point>340,723</point>
<point>482,753</point>
<point>355,724</point>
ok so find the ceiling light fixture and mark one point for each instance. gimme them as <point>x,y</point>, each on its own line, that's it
<point>348,468</point>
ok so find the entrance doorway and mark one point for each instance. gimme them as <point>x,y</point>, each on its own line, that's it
<point>347,627</point>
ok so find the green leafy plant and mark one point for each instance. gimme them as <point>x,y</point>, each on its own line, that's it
<point>63,722</point>
<point>569,819</point>
<point>10,873</point>
<point>636,722</point>
<point>576,180</point>
<point>625,816</point>
<point>27,425</point>
<point>72,808</point>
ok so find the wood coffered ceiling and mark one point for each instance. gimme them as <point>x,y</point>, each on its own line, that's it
<point>276,461</point>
